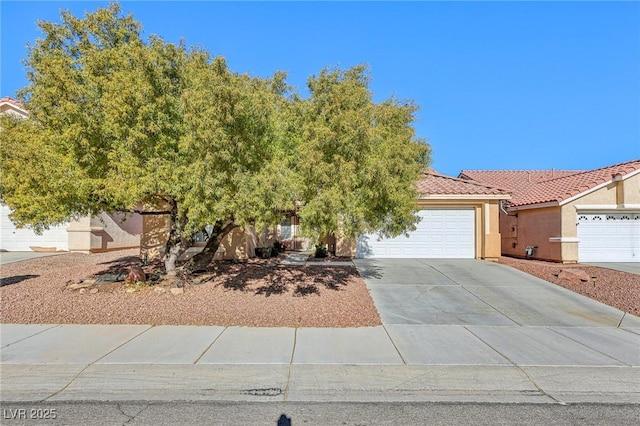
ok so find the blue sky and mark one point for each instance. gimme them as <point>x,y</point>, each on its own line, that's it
<point>500,85</point>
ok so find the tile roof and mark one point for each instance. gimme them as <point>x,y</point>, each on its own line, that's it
<point>11,106</point>
<point>538,187</point>
<point>517,182</point>
<point>434,183</point>
<point>7,99</point>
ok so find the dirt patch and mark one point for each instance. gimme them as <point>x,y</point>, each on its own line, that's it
<point>261,293</point>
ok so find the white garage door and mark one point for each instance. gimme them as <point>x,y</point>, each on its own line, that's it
<point>442,233</point>
<point>609,237</point>
<point>14,239</point>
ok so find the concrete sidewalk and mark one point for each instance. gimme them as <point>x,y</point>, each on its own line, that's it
<point>385,363</point>
<point>18,256</point>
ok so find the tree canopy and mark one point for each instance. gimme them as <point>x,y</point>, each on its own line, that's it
<point>122,124</point>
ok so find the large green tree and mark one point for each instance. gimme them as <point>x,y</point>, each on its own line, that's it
<point>122,124</point>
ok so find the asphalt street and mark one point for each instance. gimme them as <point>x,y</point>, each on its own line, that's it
<point>309,413</point>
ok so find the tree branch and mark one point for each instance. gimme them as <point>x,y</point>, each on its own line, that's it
<point>150,213</point>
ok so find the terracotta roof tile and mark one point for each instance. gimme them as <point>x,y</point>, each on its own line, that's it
<point>561,189</point>
<point>11,106</point>
<point>434,183</point>
<point>518,182</point>
<point>7,99</point>
<point>536,187</point>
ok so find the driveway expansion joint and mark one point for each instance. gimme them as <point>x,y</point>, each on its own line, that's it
<point>289,370</point>
<point>527,375</point>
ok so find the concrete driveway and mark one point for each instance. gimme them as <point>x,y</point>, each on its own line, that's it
<point>478,293</point>
<point>17,256</point>
<point>631,267</point>
<point>466,312</point>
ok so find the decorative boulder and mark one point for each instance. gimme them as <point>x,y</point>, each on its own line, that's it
<point>136,274</point>
<point>574,275</point>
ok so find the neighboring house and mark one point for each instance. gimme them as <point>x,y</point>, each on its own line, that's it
<point>570,216</point>
<point>87,234</point>
<point>459,220</point>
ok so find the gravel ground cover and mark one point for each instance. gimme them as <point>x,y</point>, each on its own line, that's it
<point>257,293</point>
<point>263,293</point>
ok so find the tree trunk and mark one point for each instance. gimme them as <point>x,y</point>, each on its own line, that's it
<point>204,258</point>
<point>176,244</point>
<point>171,257</point>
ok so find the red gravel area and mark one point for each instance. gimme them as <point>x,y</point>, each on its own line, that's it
<point>257,293</point>
<point>614,288</point>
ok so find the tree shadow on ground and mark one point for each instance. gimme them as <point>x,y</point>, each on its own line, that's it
<point>122,265</point>
<point>16,279</point>
<point>370,271</point>
<point>268,280</point>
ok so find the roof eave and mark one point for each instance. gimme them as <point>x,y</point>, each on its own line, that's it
<point>464,196</point>
<point>599,186</point>
<point>547,204</point>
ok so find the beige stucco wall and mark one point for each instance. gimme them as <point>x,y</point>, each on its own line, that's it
<point>492,247</point>
<point>115,231</point>
<point>155,231</point>
<point>105,232</point>
<point>632,190</point>
<point>239,244</point>
<point>79,234</point>
<point>345,247</point>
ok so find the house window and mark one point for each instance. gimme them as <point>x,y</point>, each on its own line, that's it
<point>202,237</point>
<point>286,232</point>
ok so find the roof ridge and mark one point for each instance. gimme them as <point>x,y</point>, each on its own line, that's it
<point>564,188</point>
<point>10,100</point>
<point>522,170</point>
<point>466,181</point>
<point>613,166</point>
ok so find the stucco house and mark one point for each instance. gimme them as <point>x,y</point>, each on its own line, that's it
<point>569,216</point>
<point>86,234</point>
<point>459,220</point>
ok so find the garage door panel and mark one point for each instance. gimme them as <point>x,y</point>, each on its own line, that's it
<point>442,233</point>
<point>609,237</point>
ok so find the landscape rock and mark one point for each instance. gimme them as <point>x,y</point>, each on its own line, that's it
<point>93,291</point>
<point>136,274</point>
<point>176,291</point>
<point>78,286</point>
<point>574,275</point>
<point>159,290</point>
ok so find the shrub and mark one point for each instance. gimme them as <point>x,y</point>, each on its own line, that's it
<point>321,250</point>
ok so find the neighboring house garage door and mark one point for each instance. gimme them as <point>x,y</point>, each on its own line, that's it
<point>442,233</point>
<point>609,237</point>
<point>14,239</point>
